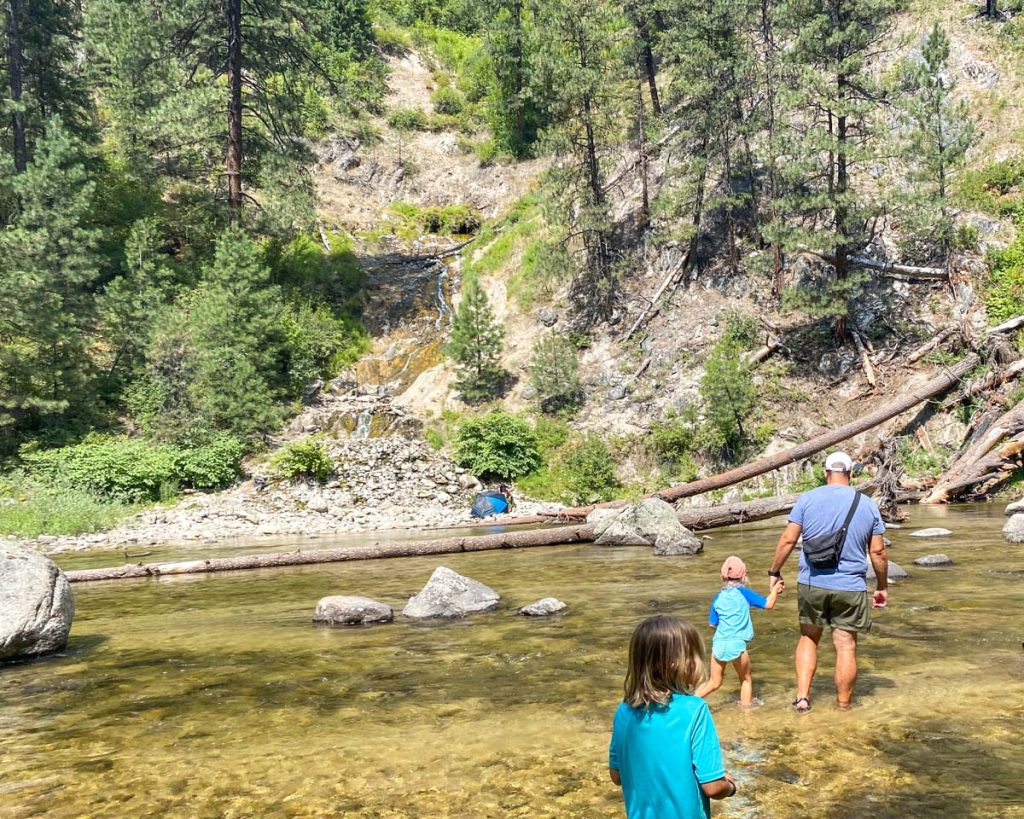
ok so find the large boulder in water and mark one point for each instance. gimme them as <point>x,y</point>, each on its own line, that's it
<point>640,524</point>
<point>449,594</point>
<point>1014,508</point>
<point>674,544</point>
<point>895,572</point>
<point>343,610</point>
<point>1013,531</point>
<point>601,517</point>
<point>36,604</point>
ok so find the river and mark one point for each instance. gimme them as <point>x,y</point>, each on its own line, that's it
<point>215,696</point>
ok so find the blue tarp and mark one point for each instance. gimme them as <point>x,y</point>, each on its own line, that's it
<point>489,503</point>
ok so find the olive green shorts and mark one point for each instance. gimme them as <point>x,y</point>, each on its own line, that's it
<point>846,610</point>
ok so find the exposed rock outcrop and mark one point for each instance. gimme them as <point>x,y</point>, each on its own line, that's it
<point>895,572</point>
<point>640,524</point>
<point>343,610</point>
<point>36,604</point>
<point>449,594</point>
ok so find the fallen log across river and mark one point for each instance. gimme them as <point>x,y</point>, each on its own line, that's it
<point>708,517</point>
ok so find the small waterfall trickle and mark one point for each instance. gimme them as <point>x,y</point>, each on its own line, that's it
<point>363,422</point>
<point>443,308</point>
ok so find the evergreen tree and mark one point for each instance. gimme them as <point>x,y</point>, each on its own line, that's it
<point>513,113</point>
<point>941,131</point>
<point>582,77</point>
<point>832,103</point>
<point>554,374</point>
<point>48,266</point>
<point>729,394</point>
<point>44,77</point>
<point>475,345</point>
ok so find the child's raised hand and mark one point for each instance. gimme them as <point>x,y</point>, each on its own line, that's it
<point>778,587</point>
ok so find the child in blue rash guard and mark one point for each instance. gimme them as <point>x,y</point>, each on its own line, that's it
<point>664,750</point>
<point>730,617</point>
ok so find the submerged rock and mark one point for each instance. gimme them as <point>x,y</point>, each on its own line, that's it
<point>36,606</point>
<point>1013,531</point>
<point>342,610</point>
<point>543,608</point>
<point>640,524</point>
<point>895,572</point>
<point>933,560</point>
<point>935,531</point>
<point>449,594</point>
<point>678,543</point>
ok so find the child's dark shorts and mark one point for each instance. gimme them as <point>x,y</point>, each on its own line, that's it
<point>846,610</point>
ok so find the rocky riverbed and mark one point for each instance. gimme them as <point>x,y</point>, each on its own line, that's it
<point>381,483</point>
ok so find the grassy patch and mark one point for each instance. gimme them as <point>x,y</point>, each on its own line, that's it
<point>997,188</point>
<point>31,508</point>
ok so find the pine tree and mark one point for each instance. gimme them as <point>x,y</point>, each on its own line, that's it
<point>582,77</point>
<point>44,74</point>
<point>476,345</point>
<point>48,266</point>
<point>832,102</point>
<point>729,393</point>
<point>554,374</point>
<point>513,114</point>
<point>941,131</point>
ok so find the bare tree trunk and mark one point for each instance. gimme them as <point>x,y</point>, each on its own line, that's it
<point>641,127</point>
<point>14,67</point>
<point>233,164</point>
<point>973,461</point>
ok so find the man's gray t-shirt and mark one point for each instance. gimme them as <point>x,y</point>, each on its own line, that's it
<point>822,511</point>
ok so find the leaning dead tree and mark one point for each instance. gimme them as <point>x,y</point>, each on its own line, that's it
<point>985,459</point>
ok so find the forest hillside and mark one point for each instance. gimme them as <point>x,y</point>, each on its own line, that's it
<point>595,247</point>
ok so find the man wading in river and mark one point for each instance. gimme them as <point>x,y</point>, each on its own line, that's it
<point>841,529</point>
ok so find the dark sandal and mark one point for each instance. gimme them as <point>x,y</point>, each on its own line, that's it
<point>801,705</point>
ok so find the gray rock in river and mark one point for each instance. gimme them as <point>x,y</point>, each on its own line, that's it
<point>1014,508</point>
<point>895,572</point>
<point>342,610</point>
<point>449,594</point>
<point>935,531</point>
<point>640,524</point>
<point>678,543</point>
<point>36,606</point>
<point>933,560</point>
<point>543,608</point>
<point>601,517</point>
<point>1013,531</point>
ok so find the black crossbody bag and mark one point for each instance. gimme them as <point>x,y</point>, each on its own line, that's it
<point>823,551</point>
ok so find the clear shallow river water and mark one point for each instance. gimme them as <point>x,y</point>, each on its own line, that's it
<point>214,695</point>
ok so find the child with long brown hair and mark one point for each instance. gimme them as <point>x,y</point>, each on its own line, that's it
<point>664,750</point>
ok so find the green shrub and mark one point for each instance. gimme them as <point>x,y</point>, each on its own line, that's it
<point>307,459</point>
<point>590,471</point>
<point>213,466</point>
<point>554,374</point>
<point>31,508</point>
<point>729,395</point>
<point>1004,295</point>
<point>408,119</point>
<point>497,445</point>
<point>448,100</point>
<point>320,343</point>
<point>551,433</point>
<point>125,469</point>
<point>997,188</point>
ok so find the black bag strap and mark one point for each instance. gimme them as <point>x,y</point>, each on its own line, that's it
<point>849,515</point>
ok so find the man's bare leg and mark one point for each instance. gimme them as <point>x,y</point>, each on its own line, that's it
<point>806,659</point>
<point>846,665</point>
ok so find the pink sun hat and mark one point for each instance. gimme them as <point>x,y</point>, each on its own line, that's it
<point>733,568</point>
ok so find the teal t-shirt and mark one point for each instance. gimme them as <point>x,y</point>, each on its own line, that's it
<point>663,754</point>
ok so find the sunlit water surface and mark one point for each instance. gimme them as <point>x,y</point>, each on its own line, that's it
<point>215,695</point>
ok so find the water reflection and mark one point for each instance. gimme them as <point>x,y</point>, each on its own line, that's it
<point>216,696</point>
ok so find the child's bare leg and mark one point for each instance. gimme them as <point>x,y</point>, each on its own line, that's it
<point>715,681</point>
<point>742,666</point>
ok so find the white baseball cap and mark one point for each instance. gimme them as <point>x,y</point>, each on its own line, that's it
<point>839,462</point>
